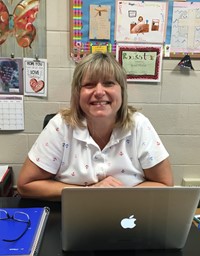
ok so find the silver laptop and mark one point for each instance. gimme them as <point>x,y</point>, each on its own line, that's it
<point>127,218</point>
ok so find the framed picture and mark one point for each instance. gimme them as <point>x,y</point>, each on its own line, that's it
<point>141,62</point>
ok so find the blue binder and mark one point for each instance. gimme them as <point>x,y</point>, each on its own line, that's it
<point>29,243</point>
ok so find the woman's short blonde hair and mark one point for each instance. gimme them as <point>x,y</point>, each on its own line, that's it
<point>98,66</point>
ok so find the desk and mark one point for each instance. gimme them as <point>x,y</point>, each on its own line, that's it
<point>51,243</point>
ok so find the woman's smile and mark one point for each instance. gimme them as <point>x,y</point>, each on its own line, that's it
<point>100,103</point>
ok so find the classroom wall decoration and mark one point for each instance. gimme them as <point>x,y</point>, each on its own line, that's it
<point>92,27</point>
<point>11,76</point>
<point>22,28</point>
<point>142,62</point>
<point>35,77</point>
<point>186,27</point>
<point>101,24</point>
<point>138,21</point>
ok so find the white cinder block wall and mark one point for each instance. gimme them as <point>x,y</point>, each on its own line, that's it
<point>173,106</point>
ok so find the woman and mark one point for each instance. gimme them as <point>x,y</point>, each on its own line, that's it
<point>99,141</point>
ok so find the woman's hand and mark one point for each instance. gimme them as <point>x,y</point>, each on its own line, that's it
<point>108,182</point>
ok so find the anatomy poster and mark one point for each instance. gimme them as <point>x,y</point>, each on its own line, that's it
<point>140,21</point>
<point>185,35</point>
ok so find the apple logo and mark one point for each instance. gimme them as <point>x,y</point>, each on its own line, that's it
<point>128,222</point>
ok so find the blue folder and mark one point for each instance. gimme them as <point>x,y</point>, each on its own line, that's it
<point>29,243</point>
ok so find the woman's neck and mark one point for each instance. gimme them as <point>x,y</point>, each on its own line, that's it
<point>101,132</point>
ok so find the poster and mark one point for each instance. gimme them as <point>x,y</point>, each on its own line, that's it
<point>141,21</point>
<point>35,77</point>
<point>185,34</point>
<point>22,27</point>
<point>99,22</point>
<point>142,62</point>
<point>11,76</point>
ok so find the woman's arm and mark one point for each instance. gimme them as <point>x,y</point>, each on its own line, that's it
<point>158,175</point>
<point>34,182</point>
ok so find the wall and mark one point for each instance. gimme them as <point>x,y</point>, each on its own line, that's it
<point>173,106</point>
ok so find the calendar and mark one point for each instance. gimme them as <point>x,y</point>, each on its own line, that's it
<point>11,112</point>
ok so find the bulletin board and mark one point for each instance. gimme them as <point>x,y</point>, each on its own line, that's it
<point>81,40</point>
<point>93,26</point>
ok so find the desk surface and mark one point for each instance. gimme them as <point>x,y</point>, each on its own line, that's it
<point>51,243</point>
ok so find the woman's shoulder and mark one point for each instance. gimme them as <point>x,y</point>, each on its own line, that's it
<point>141,121</point>
<point>138,117</point>
<point>57,121</point>
<point>56,118</point>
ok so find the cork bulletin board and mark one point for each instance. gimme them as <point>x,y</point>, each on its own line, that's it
<point>96,26</point>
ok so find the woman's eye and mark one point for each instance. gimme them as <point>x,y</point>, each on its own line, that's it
<point>89,85</point>
<point>94,84</point>
<point>109,83</point>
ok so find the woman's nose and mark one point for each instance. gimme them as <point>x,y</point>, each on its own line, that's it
<point>99,89</point>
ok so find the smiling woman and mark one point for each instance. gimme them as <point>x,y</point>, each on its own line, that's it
<point>100,99</point>
<point>91,70</point>
<point>100,141</point>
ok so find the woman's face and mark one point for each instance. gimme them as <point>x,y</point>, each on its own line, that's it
<point>100,99</point>
<point>140,18</point>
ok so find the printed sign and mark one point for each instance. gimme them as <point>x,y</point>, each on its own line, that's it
<point>35,77</point>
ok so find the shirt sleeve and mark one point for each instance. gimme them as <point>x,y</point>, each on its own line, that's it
<point>47,151</point>
<point>151,150</point>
